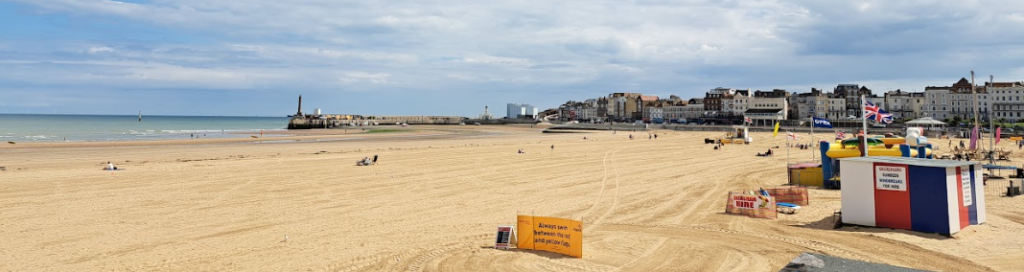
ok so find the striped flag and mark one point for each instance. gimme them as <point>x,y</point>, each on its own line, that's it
<point>840,135</point>
<point>793,136</point>
<point>747,120</point>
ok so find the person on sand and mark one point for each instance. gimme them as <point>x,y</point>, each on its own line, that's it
<point>110,166</point>
<point>655,136</point>
<point>631,136</point>
<point>552,147</point>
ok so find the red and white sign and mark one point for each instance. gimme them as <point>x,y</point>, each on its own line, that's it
<point>891,177</point>
<point>747,202</point>
<point>965,183</point>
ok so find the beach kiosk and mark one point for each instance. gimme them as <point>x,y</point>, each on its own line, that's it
<point>934,196</point>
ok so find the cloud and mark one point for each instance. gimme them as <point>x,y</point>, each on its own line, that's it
<point>99,49</point>
<point>357,76</point>
<point>531,51</point>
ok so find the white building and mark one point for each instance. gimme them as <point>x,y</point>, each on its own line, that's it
<point>768,107</point>
<point>806,105</point>
<point>520,111</point>
<point>694,108</point>
<point>674,112</point>
<point>737,103</point>
<point>904,105</point>
<point>936,103</point>
<point>1008,100</point>
<point>836,108</point>
<point>652,113</point>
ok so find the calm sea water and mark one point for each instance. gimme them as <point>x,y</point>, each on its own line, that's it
<point>77,128</point>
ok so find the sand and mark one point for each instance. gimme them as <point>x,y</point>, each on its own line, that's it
<point>433,204</point>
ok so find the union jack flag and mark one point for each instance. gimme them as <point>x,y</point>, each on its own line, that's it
<point>875,113</point>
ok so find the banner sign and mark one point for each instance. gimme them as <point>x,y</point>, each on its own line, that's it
<point>504,234</point>
<point>965,183</point>
<point>747,202</point>
<point>822,122</point>
<point>752,205</point>
<point>891,177</point>
<point>559,235</point>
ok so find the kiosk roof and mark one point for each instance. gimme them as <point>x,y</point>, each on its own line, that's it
<point>911,161</point>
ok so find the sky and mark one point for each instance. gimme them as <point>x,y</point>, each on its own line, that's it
<point>430,57</point>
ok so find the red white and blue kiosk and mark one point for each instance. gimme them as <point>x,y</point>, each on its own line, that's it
<point>935,196</point>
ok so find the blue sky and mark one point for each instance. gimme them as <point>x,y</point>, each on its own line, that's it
<point>199,57</point>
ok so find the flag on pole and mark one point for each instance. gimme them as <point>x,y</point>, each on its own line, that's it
<point>793,136</point>
<point>840,135</point>
<point>974,138</point>
<point>871,111</point>
<point>822,122</point>
<point>747,120</point>
<point>999,131</point>
<point>776,133</point>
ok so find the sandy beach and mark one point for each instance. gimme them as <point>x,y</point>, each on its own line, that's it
<point>433,202</point>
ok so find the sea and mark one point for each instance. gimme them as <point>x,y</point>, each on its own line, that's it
<point>99,128</point>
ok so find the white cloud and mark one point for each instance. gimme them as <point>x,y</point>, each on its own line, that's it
<point>357,76</point>
<point>542,47</point>
<point>99,49</point>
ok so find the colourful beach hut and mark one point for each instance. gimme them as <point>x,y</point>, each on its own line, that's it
<point>805,174</point>
<point>934,196</point>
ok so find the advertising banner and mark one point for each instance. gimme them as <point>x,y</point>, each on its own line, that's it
<point>822,122</point>
<point>751,205</point>
<point>559,235</point>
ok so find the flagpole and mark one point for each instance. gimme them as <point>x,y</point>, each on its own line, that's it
<point>864,122</point>
<point>975,96</point>
<point>991,123</point>
<point>812,139</point>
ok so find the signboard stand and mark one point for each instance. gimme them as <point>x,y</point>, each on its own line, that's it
<point>506,236</point>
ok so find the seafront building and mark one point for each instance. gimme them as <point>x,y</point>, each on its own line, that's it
<point>723,105</point>
<point>1007,100</point>
<point>520,111</point>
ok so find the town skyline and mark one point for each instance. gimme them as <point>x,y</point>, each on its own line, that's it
<point>999,100</point>
<point>454,57</point>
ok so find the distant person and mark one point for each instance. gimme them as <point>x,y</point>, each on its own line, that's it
<point>552,147</point>
<point>110,166</point>
<point>962,144</point>
<point>630,136</point>
<point>655,136</point>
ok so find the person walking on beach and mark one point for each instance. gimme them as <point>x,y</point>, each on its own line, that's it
<point>655,136</point>
<point>552,147</point>
<point>630,136</point>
